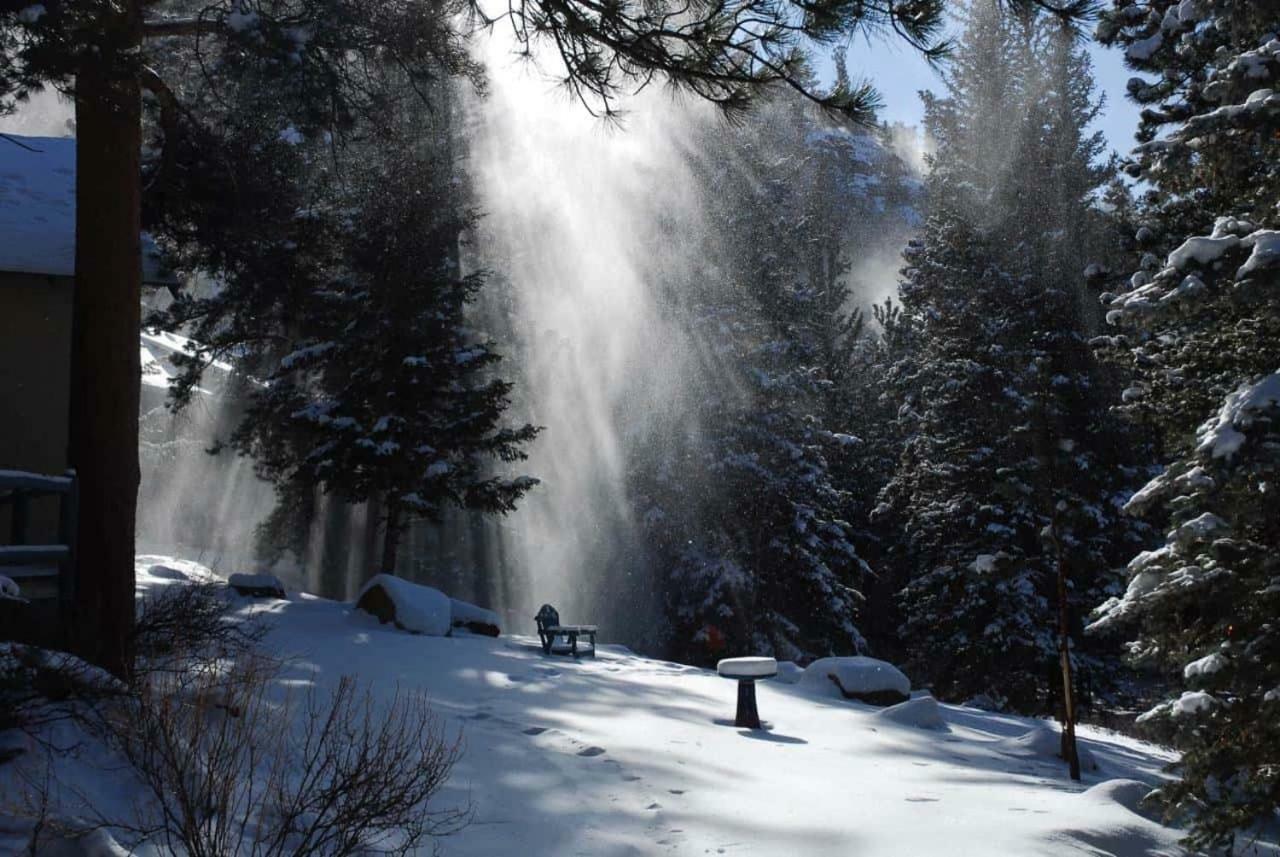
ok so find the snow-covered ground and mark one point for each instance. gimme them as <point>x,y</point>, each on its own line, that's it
<point>624,755</point>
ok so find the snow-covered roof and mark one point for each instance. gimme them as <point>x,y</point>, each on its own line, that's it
<point>38,209</point>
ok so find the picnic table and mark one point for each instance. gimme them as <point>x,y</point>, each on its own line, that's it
<point>550,629</point>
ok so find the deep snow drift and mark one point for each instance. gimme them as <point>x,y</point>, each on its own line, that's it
<point>623,755</point>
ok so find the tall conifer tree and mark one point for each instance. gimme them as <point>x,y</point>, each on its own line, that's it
<point>1199,326</point>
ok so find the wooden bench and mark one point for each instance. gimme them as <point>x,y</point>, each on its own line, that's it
<point>549,628</point>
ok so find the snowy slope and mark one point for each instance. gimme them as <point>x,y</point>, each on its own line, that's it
<point>623,755</point>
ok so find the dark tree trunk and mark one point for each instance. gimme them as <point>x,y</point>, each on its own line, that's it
<point>1070,752</point>
<point>391,537</point>
<point>105,372</point>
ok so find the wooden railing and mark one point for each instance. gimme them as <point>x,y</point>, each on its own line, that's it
<point>29,564</point>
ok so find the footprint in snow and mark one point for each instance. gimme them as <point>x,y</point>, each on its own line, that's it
<point>591,751</point>
<point>479,715</point>
<point>631,778</point>
<point>534,730</point>
<point>654,805</point>
<point>676,791</point>
<point>915,799</point>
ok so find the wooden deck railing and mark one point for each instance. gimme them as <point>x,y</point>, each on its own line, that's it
<point>30,564</point>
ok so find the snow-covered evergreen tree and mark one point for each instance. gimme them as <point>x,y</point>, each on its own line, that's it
<point>746,512</point>
<point>1010,470</point>
<point>751,504</point>
<point>1199,325</point>
<point>347,306</point>
<point>387,393</point>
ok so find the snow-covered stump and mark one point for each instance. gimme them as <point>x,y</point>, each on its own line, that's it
<point>746,671</point>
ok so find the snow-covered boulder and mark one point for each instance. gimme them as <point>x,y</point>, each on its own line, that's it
<point>9,589</point>
<point>1129,794</point>
<point>410,606</point>
<point>860,678</point>
<point>257,585</point>
<point>1045,742</point>
<point>921,712</point>
<point>475,619</point>
<point>789,672</point>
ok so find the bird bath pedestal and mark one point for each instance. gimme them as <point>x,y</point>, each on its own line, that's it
<point>746,671</point>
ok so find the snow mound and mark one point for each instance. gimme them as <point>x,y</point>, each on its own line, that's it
<point>9,589</point>
<point>410,606</point>
<point>1045,742</point>
<point>789,672</point>
<point>257,585</point>
<point>1117,824</point>
<point>165,572</point>
<point>475,619</point>
<point>1126,793</point>
<point>922,712</point>
<point>169,568</point>
<point>862,678</point>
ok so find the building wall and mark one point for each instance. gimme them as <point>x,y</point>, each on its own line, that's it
<point>35,366</point>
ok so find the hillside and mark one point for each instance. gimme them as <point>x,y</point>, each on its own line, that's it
<point>624,755</point>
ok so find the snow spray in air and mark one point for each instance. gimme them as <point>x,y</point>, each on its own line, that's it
<point>583,220</point>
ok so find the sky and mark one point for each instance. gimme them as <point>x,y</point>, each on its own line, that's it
<point>899,74</point>
<point>895,69</point>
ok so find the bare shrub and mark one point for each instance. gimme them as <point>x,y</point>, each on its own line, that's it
<point>224,768</point>
<point>39,687</point>
<point>178,629</point>
<point>227,772</point>
<point>180,625</point>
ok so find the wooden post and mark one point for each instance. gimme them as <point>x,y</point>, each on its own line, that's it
<point>748,717</point>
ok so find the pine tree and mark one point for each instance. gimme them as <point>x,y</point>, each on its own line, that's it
<point>347,305</point>
<point>1199,327</point>
<point>389,393</point>
<point>974,605</point>
<point>752,504</point>
<point>1004,494</point>
<point>746,512</point>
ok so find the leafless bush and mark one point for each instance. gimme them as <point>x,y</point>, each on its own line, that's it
<point>224,768</point>
<point>227,772</point>
<point>178,626</point>
<point>179,629</point>
<point>39,687</point>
